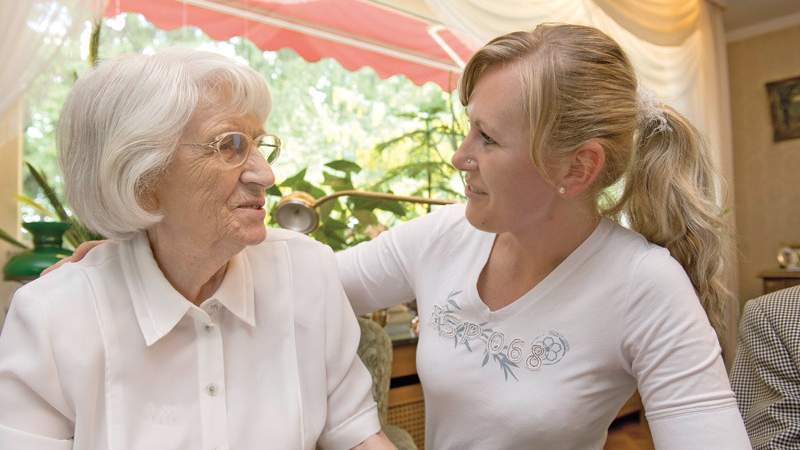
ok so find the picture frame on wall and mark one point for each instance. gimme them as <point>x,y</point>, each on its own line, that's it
<point>784,102</point>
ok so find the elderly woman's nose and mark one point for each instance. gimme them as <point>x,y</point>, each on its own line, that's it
<point>258,171</point>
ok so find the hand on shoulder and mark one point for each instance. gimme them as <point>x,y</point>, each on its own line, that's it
<point>78,255</point>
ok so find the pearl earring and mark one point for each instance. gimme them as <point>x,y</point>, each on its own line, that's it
<point>562,190</point>
<point>469,161</point>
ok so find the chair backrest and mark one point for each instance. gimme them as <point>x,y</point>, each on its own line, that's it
<point>375,351</point>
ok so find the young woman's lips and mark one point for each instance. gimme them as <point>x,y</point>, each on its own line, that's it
<point>472,192</point>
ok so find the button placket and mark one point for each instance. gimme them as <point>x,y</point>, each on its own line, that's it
<point>211,375</point>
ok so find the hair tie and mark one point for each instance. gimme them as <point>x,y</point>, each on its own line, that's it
<point>651,111</point>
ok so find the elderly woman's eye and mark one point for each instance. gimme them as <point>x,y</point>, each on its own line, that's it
<point>232,142</point>
<point>232,146</point>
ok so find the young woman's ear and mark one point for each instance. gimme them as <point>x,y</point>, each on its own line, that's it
<point>581,169</point>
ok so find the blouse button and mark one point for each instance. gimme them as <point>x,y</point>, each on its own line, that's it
<point>212,389</point>
<point>208,327</point>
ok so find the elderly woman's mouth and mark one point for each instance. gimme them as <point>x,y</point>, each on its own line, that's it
<point>252,209</point>
<point>251,205</point>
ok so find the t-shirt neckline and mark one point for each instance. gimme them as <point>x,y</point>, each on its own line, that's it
<point>588,247</point>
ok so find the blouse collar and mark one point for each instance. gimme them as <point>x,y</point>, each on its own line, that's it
<point>159,307</point>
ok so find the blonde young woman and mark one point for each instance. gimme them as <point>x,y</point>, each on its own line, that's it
<point>540,314</point>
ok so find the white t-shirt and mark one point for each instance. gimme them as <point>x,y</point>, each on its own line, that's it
<point>552,369</point>
<point>105,354</point>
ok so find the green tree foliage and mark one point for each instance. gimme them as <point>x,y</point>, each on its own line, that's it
<point>341,129</point>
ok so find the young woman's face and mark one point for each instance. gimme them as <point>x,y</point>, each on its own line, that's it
<point>505,191</point>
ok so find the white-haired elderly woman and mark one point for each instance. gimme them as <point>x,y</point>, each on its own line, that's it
<point>196,328</point>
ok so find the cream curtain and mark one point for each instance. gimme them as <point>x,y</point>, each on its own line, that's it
<point>31,34</point>
<point>676,46</point>
<point>662,22</point>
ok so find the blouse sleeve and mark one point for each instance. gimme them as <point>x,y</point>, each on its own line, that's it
<point>34,410</point>
<point>352,414</point>
<point>676,359</point>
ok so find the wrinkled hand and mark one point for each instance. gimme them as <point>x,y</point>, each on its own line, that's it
<point>78,255</point>
<point>376,442</point>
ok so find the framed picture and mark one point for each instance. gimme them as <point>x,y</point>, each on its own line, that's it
<point>784,101</point>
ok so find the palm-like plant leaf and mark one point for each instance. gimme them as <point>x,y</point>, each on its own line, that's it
<point>77,233</point>
<point>94,42</point>
<point>4,236</point>
<point>386,144</point>
<point>38,207</point>
<point>48,191</point>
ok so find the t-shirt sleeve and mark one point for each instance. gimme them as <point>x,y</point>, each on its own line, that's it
<point>34,410</point>
<point>352,415</point>
<point>673,353</point>
<point>381,273</point>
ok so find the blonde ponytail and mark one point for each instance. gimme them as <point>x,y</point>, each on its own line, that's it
<point>670,197</point>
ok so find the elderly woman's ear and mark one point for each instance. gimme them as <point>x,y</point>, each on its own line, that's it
<point>145,191</point>
<point>149,201</point>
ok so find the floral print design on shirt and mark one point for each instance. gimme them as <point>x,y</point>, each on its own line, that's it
<point>510,355</point>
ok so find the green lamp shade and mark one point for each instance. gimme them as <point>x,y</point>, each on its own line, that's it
<point>47,250</point>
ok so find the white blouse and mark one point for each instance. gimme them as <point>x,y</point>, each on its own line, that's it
<point>105,354</point>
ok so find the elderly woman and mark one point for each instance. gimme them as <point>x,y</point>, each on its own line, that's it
<point>195,328</point>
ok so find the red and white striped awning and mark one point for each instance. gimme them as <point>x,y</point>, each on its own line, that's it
<point>357,33</point>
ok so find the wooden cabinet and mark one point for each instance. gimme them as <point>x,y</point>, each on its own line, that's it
<point>406,404</point>
<point>775,280</point>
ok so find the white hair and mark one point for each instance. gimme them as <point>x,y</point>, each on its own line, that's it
<point>122,122</point>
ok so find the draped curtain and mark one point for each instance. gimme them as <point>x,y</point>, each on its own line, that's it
<point>33,33</point>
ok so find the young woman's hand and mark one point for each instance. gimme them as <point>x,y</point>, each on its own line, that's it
<point>78,255</point>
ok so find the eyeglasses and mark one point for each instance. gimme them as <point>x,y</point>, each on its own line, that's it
<point>234,147</point>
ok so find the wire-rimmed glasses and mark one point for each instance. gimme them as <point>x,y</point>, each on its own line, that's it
<point>234,147</point>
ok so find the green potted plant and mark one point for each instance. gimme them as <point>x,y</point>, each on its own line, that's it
<point>48,235</point>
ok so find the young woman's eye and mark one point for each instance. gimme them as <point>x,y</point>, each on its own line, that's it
<point>486,139</point>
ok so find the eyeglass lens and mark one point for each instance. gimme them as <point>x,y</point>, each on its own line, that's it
<point>234,147</point>
<point>270,146</point>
